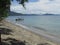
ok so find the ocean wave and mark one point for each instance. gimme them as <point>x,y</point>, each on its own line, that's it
<point>40,28</point>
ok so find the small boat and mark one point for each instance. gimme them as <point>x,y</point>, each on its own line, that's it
<point>19,19</point>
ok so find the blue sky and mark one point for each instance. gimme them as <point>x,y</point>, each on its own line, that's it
<point>15,2</point>
<point>33,0</point>
<point>37,7</point>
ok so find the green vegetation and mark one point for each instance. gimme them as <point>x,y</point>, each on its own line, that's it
<point>5,7</point>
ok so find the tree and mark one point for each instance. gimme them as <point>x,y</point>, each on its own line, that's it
<point>5,7</point>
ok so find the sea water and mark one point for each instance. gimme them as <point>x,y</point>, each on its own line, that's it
<point>50,24</point>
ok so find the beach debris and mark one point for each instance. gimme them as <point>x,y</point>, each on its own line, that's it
<point>44,44</point>
<point>12,41</point>
<point>1,24</point>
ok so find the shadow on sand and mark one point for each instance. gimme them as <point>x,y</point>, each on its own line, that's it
<point>5,31</point>
<point>12,41</point>
<point>9,41</point>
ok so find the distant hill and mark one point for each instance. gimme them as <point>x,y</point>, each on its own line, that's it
<point>48,14</point>
<point>14,14</point>
<point>20,14</point>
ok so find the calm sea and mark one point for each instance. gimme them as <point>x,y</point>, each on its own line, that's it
<point>50,24</point>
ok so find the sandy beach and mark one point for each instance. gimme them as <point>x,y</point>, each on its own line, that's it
<point>25,34</point>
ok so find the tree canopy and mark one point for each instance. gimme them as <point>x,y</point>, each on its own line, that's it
<point>5,7</point>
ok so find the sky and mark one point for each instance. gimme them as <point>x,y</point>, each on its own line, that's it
<point>37,7</point>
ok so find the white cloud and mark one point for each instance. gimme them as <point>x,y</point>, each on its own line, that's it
<point>41,6</point>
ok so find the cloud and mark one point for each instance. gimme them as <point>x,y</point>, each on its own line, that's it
<point>41,6</point>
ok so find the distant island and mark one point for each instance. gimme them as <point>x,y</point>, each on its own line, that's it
<point>20,14</point>
<point>51,14</point>
<point>48,14</point>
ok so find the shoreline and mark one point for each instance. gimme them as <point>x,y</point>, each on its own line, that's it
<point>37,32</point>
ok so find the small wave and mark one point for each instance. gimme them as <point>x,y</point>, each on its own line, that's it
<point>40,28</point>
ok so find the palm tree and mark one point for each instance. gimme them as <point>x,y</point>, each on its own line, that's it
<point>5,7</point>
